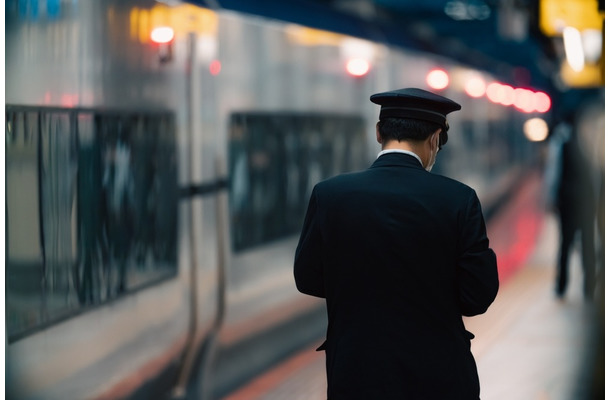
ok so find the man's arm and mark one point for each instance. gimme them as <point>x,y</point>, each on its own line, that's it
<point>477,266</point>
<point>308,274</point>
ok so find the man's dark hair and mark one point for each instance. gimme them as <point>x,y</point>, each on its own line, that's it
<point>406,129</point>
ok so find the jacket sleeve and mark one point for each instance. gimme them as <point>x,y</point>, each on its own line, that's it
<point>308,273</point>
<point>477,266</point>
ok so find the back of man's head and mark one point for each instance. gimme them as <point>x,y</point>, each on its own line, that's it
<point>405,129</point>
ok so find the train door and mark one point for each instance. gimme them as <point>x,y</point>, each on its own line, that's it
<point>204,218</point>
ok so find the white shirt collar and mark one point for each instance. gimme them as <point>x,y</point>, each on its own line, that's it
<point>382,152</point>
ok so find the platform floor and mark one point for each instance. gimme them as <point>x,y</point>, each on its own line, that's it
<point>528,346</point>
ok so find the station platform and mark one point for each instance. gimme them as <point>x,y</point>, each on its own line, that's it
<point>529,345</point>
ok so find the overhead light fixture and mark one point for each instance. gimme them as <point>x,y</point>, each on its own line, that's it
<point>572,43</point>
<point>162,35</point>
<point>467,10</point>
<point>592,43</point>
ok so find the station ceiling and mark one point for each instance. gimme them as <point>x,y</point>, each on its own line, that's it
<point>485,34</point>
<point>499,36</point>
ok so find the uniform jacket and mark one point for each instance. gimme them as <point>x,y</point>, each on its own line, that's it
<point>400,255</point>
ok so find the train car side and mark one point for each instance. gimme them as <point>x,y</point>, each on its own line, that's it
<point>155,191</point>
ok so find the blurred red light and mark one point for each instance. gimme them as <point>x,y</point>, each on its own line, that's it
<point>494,92</point>
<point>215,67</point>
<point>507,95</point>
<point>437,79</point>
<point>69,100</point>
<point>542,102</point>
<point>357,66</point>
<point>524,100</point>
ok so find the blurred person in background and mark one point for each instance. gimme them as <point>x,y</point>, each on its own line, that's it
<point>570,189</point>
<point>400,255</point>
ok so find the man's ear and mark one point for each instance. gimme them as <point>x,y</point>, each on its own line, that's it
<point>435,139</point>
<point>379,140</point>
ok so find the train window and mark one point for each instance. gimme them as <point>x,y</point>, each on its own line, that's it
<point>275,159</point>
<point>91,209</point>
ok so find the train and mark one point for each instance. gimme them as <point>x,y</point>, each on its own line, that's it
<point>159,160</point>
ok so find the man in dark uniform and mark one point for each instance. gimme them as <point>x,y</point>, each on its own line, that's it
<point>400,255</point>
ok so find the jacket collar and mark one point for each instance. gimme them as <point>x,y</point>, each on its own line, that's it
<point>398,160</point>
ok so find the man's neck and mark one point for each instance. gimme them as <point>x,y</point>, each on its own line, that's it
<point>414,147</point>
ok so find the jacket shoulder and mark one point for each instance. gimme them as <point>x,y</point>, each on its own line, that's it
<point>452,183</point>
<point>340,180</point>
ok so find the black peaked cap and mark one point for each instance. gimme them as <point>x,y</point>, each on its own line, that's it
<point>415,103</point>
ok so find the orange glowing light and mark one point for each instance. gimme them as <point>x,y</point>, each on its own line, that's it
<point>162,35</point>
<point>536,129</point>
